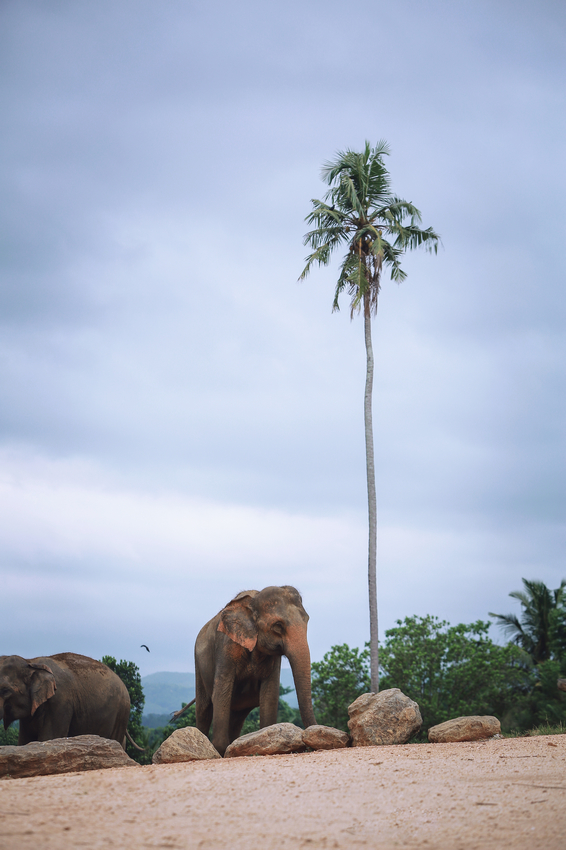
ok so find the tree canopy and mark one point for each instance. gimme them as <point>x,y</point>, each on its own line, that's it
<point>337,680</point>
<point>130,675</point>
<point>540,627</point>
<point>452,671</point>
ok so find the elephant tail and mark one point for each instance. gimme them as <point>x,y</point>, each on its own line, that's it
<point>133,743</point>
<point>182,710</point>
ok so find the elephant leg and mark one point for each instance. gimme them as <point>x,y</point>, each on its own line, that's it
<point>45,725</point>
<point>269,697</point>
<point>221,701</point>
<point>203,705</point>
<point>237,720</point>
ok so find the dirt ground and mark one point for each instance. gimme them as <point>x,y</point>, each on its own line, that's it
<point>501,793</point>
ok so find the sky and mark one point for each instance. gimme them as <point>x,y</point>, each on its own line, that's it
<point>180,418</point>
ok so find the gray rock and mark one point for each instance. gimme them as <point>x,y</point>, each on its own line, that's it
<point>464,729</point>
<point>62,755</point>
<point>388,717</point>
<point>188,744</point>
<point>325,738</point>
<point>272,740</point>
<point>561,684</point>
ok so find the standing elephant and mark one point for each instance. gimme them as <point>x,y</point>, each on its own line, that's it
<point>238,662</point>
<point>62,696</point>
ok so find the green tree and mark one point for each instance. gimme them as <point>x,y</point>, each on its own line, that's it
<point>130,675</point>
<point>452,671</point>
<point>360,213</point>
<point>337,680</point>
<point>541,632</point>
<point>541,623</point>
<point>557,635</point>
<point>9,736</point>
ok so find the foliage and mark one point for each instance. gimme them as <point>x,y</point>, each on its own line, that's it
<point>452,671</point>
<point>154,721</point>
<point>285,714</point>
<point>544,704</point>
<point>360,214</point>
<point>130,675</point>
<point>9,736</point>
<point>547,729</point>
<point>557,634</point>
<point>541,630</point>
<point>337,680</point>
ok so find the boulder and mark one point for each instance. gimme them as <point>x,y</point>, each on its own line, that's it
<point>188,744</point>
<point>272,740</point>
<point>62,755</point>
<point>561,684</point>
<point>325,738</point>
<point>464,729</point>
<point>388,717</point>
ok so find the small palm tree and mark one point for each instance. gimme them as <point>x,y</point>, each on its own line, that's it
<point>360,213</point>
<point>533,631</point>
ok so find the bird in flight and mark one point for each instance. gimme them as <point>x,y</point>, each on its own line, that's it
<point>144,646</point>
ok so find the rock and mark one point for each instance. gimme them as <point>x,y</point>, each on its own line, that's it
<point>561,684</point>
<point>325,738</point>
<point>62,755</point>
<point>188,744</point>
<point>464,729</point>
<point>272,740</point>
<point>388,717</point>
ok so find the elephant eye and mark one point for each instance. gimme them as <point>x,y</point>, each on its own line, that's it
<point>278,628</point>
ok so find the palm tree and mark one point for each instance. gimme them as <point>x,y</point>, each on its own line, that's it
<point>533,631</point>
<point>360,213</point>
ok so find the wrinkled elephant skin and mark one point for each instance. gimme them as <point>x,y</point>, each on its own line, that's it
<point>238,662</point>
<point>61,696</point>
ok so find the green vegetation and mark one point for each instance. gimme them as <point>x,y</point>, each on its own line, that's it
<point>9,736</point>
<point>452,671</point>
<point>359,213</point>
<point>341,676</point>
<point>130,675</point>
<point>541,629</point>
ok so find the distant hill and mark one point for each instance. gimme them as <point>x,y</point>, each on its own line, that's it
<point>166,692</point>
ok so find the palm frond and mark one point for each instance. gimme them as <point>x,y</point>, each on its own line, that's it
<point>359,211</point>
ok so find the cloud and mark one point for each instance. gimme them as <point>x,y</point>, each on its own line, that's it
<point>180,418</point>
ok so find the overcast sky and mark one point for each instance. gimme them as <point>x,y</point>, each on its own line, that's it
<point>180,418</point>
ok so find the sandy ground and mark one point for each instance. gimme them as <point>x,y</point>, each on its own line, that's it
<point>501,793</point>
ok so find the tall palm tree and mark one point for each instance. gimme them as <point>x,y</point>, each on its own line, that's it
<point>533,631</point>
<point>376,227</point>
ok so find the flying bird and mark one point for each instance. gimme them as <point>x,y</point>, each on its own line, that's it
<point>144,646</point>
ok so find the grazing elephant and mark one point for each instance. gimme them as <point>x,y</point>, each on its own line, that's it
<point>238,661</point>
<point>62,696</point>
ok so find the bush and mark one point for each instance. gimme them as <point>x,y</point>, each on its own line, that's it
<point>451,671</point>
<point>337,680</point>
<point>130,675</point>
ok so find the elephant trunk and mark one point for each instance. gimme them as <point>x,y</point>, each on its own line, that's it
<point>300,660</point>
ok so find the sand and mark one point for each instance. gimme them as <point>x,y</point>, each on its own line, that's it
<point>501,793</point>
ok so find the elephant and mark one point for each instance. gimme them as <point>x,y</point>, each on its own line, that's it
<point>238,662</point>
<point>61,696</point>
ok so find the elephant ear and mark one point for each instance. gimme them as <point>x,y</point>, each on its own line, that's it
<point>237,620</point>
<point>43,685</point>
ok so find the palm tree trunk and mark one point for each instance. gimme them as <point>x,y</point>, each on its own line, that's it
<point>372,504</point>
